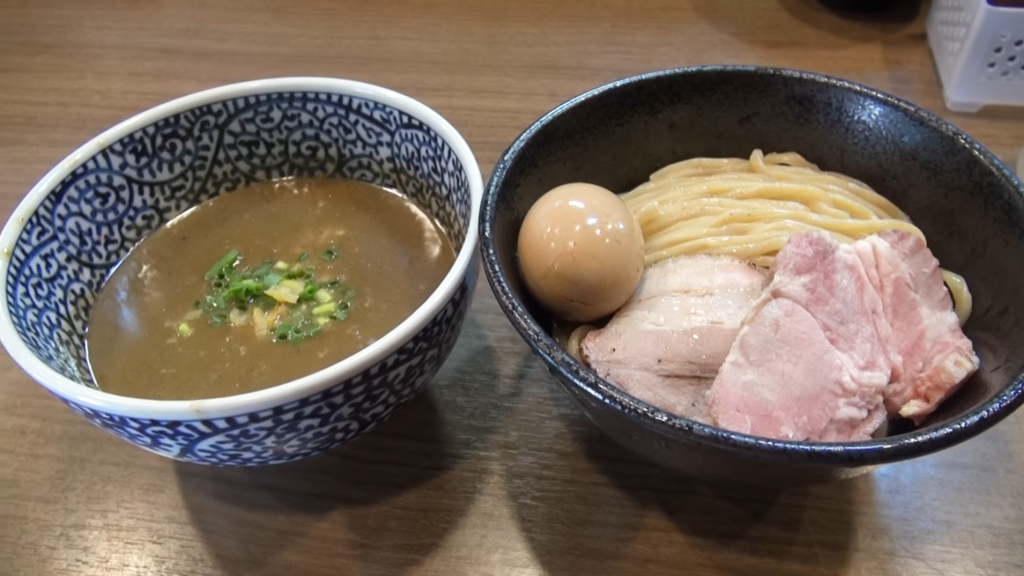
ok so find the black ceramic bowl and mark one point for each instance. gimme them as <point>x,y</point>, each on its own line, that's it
<point>970,206</point>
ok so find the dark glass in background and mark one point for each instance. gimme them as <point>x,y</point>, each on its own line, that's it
<point>859,5</point>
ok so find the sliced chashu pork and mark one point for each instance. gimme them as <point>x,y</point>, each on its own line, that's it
<point>931,356</point>
<point>809,363</point>
<point>668,342</point>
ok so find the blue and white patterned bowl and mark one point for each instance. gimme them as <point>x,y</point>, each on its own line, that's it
<point>92,208</point>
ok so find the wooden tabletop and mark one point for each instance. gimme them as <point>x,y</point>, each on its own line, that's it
<point>493,471</point>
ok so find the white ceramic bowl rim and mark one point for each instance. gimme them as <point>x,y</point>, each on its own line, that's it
<point>283,393</point>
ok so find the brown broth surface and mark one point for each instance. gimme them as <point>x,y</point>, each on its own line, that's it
<point>389,251</point>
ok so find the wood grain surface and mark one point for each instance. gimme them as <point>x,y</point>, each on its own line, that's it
<point>492,472</point>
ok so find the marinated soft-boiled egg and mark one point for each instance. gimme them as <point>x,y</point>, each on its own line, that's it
<point>581,252</point>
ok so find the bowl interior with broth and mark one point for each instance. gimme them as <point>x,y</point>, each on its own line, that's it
<point>205,308</point>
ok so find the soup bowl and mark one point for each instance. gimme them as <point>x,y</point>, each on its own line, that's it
<point>970,206</point>
<point>84,216</point>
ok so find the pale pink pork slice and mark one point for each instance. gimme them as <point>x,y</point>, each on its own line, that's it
<point>667,343</point>
<point>932,356</point>
<point>811,361</point>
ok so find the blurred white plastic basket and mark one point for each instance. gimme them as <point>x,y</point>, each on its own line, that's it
<point>979,50</point>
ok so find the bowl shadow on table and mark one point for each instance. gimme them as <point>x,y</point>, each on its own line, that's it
<point>385,501</point>
<point>592,507</point>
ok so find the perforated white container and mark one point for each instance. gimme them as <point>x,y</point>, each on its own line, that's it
<point>979,52</point>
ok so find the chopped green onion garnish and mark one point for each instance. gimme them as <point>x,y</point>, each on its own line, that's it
<point>275,299</point>
<point>306,328</point>
<point>226,262</point>
<point>244,289</point>
<point>308,291</point>
<point>325,309</point>
<point>341,312</point>
<point>215,301</point>
<point>282,332</point>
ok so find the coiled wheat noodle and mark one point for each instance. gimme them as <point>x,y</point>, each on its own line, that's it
<point>748,209</point>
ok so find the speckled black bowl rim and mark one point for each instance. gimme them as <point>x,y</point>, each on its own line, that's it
<point>849,454</point>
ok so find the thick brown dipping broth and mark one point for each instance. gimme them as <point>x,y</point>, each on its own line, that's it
<point>389,251</point>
